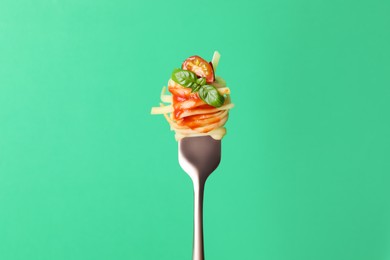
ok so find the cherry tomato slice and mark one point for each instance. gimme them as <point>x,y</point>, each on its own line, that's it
<point>200,67</point>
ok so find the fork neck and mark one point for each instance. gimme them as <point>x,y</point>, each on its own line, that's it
<point>198,246</point>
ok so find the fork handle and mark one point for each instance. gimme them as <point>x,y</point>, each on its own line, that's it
<point>198,250</point>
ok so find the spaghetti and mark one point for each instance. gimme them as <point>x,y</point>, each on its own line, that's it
<point>192,113</point>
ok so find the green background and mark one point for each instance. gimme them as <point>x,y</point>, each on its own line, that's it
<point>87,173</point>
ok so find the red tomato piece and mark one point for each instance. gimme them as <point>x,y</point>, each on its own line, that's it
<point>200,67</point>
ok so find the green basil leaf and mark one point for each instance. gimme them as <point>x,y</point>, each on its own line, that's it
<point>196,88</point>
<point>185,78</point>
<point>211,96</point>
<point>201,81</point>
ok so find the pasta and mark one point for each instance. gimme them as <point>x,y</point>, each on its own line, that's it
<point>192,113</point>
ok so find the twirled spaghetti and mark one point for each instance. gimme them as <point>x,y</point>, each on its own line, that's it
<point>189,115</point>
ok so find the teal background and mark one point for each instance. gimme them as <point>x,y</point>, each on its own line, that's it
<point>87,173</point>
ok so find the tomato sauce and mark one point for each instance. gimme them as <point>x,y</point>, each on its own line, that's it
<point>186,101</point>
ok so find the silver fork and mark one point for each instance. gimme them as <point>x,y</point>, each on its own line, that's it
<point>199,157</point>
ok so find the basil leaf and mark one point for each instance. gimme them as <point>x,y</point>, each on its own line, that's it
<point>196,88</point>
<point>201,81</point>
<point>211,96</point>
<point>185,78</point>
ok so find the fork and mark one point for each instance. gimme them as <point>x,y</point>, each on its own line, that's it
<point>199,157</point>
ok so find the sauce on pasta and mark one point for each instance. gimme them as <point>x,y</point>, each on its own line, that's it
<point>188,113</point>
